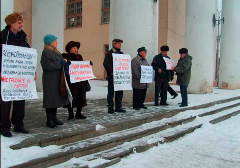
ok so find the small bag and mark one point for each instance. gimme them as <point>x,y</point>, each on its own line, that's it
<point>63,88</point>
<point>88,86</point>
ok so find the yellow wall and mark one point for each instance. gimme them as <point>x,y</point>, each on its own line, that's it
<point>25,7</point>
<point>92,35</point>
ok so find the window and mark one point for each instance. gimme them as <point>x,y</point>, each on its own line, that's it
<point>74,13</point>
<point>105,11</point>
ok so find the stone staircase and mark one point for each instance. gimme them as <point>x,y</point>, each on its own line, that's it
<point>122,138</point>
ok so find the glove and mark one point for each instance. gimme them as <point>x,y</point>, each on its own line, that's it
<point>91,63</point>
<point>63,62</point>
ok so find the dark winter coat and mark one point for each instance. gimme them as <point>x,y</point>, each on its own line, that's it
<point>108,62</point>
<point>183,70</point>
<point>136,72</point>
<point>7,37</point>
<point>52,69</point>
<point>78,89</point>
<point>159,63</point>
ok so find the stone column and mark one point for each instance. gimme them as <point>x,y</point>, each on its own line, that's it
<point>48,18</point>
<point>136,23</point>
<point>199,39</point>
<point>6,9</point>
<point>229,72</point>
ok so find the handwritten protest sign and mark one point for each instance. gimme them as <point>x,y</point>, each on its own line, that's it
<point>170,63</point>
<point>146,74</point>
<point>122,72</point>
<point>18,71</point>
<point>80,71</point>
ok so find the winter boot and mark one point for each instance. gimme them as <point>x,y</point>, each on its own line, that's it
<point>79,114</point>
<point>50,122</point>
<point>55,120</point>
<point>70,112</point>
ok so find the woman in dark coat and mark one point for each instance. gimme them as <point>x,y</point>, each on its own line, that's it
<point>52,65</point>
<point>78,89</point>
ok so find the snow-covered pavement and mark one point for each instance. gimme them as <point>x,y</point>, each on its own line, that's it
<point>212,146</point>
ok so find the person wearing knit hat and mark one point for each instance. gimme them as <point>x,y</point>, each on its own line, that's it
<point>53,80</point>
<point>139,89</point>
<point>162,76</point>
<point>13,35</point>
<point>183,72</point>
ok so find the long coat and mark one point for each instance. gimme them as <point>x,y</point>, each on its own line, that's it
<point>108,63</point>
<point>159,63</point>
<point>78,89</point>
<point>136,72</point>
<point>183,70</point>
<point>52,69</point>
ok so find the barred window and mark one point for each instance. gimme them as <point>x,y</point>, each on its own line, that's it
<point>105,11</point>
<point>74,13</point>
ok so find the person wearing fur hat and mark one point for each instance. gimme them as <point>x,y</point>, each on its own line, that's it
<point>139,89</point>
<point>183,71</point>
<point>162,76</point>
<point>108,65</point>
<point>78,89</point>
<point>13,35</point>
<point>52,64</point>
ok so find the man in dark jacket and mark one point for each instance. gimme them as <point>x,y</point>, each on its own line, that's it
<point>108,65</point>
<point>162,76</point>
<point>183,71</point>
<point>13,35</point>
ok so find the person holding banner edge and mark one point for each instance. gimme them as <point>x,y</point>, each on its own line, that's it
<point>139,89</point>
<point>162,76</point>
<point>108,65</point>
<point>52,64</point>
<point>13,35</point>
<point>78,89</point>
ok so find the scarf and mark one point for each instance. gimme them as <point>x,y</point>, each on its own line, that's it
<point>55,50</point>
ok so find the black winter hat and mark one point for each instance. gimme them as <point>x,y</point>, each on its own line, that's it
<point>141,49</point>
<point>117,40</point>
<point>183,51</point>
<point>72,44</point>
<point>164,48</point>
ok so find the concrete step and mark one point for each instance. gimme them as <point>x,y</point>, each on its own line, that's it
<point>66,137</point>
<point>111,140</point>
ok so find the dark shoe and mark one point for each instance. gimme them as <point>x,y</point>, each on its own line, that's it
<point>111,111</point>
<point>120,110</point>
<point>164,104</point>
<point>6,134</point>
<point>183,105</point>
<point>55,120</point>
<point>156,104</point>
<point>51,125</point>
<point>50,122</point>
<point>174,96</point>
<point>143,107</point>
<point>71,115</point>
<point>80,116</point>
<point>179,103</point>
<point>20,130</point>
<point>137,108</point>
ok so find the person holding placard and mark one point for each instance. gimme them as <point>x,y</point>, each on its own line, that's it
<point>108,65</point>
<point>162,76</point>
<point>13,35</point>
<point>78,89</point>
<point>183,71</point>
<point>52,64</point>
<point>139,89</point>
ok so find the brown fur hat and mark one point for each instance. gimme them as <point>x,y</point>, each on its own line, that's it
<point>13,18</point>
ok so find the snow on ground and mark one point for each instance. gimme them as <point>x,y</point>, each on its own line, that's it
<point>211,146</point>
<point>179,151</point>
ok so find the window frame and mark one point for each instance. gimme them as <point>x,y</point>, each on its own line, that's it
<point>71,13</point>
<point>104,9</point>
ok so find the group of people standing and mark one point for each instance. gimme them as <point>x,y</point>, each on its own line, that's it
<point>55,67</point>
<point>162,77</point>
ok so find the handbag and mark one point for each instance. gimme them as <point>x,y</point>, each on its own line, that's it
<point>88,86</point>
<point>63,88</point>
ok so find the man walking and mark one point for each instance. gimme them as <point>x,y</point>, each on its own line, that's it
<point>13,35</point>
<point>183,70</point>
<point>108,65</point>
<point>162,76</point>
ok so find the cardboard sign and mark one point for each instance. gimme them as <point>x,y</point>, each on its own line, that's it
<point>122,72</point>
<point>80,71</point>
<point>18,71</point>
<point>146,74</point>
<point>169,63</point>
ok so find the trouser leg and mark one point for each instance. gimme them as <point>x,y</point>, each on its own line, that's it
<point>136,98</point>
<point>183,89</point>
<point>110,95</point>
<point>157,91</point>
<point>18,113</point>
<point>171,91</point>
<point>5,114</point>
<point>142,97</point>
<point>163,94</point>
<point>118,99</point>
